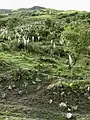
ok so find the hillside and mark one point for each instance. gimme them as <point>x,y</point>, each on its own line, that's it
<point>5,11</point>
<point>45,65</point>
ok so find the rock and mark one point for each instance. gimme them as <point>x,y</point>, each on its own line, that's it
<point>54,93</point>
<point>33,82</point>
<point>69,109</point>
<point>88,88</point>
<point>13,86</point>
<point>25,84</point>
<point>20,92</point>
<point>38,80</point>
<point>62,104</point>
<point>9,87</point>
<point>69,115</point>
<point>50,86</point>
<point>62,93</point>
<point>50,101</point>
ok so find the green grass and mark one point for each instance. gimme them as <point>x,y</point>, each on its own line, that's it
<point>19,60</point>
<point>39,62</point>
<point>29,61</point>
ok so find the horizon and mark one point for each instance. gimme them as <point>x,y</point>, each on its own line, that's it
<point>56,4</point>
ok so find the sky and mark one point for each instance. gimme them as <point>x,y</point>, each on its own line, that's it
<point>82,5</point>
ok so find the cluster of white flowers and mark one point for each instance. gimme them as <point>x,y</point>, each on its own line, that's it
<point>25,41</point>
<point>38,37</point>
<point>32,38</point>
<point>70,60</point>
<point>3,32</point>
<point>54,46</point>
<point>51,42</point>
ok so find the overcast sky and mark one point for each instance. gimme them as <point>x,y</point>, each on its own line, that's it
<point>57,4</point>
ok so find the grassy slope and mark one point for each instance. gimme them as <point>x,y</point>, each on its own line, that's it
<point>22,67</point>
